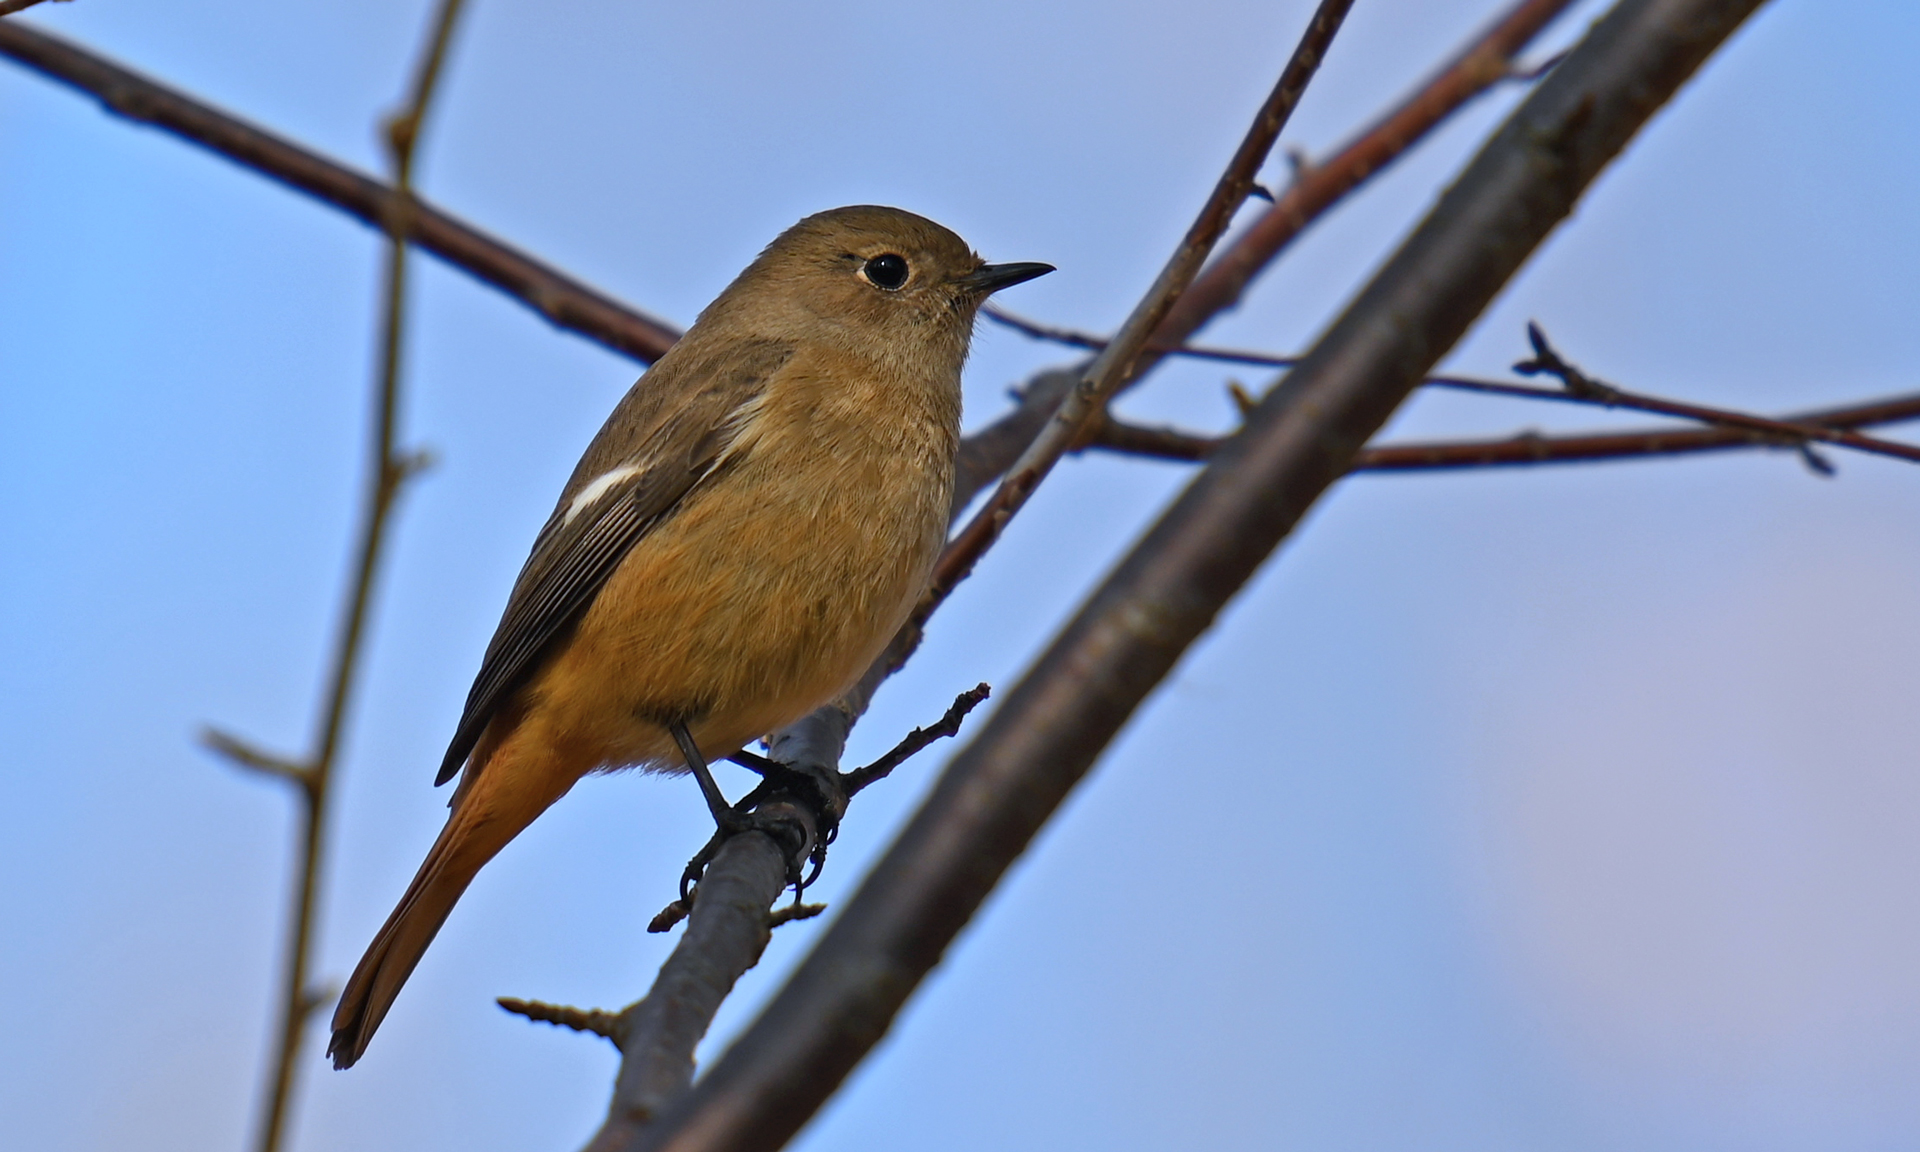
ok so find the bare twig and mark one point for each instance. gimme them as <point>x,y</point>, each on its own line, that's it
<point>563,301</point>
<point>1585,389</point>
<point>245,755</point>
<point>388,472</point>
<point>1002,786</point>
<point>948,725</point>
<point>1116,364</point>
<point>1116,435</point>
<point>1317,187</point>
<point>1075,339</point>
<point>1526,447</point>
<point>595,1020</point>
<point>9,7</point>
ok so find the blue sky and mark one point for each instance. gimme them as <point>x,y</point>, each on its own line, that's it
<point>1572,808</point>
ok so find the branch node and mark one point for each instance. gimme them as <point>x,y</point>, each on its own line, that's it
<point>1816,462</point>
<point>792,912</point>
<point>595,1020</point>
<point>1243,400</point>
<point>245,755</point>
<point>1577,383</point>
<point>666,918</point>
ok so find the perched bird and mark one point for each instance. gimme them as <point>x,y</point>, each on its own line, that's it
<point>744,535</point>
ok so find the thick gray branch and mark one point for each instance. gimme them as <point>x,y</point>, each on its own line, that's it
<point>725,935</point>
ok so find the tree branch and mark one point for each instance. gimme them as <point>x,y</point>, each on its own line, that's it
<point>1118,363</point>
<point>1531,448</point>
<point>387,473</point>
<point>1002,786</point>
<point>726,934</point>
<point>9,7</point>
<point>579,1019</point>
<point>1521,448</point>
<point>1317,187</point>
<point>563,301</point>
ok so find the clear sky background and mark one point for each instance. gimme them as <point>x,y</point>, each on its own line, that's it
<point>1572,808</point>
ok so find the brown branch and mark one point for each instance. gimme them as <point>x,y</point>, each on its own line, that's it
<point>1317,187</point>
<point>1000,788</point>
<point>389,470</point>
<point>918,739</point>
<point>1116,435</point>
<point>563,301</point>
<point>1531,448</point>
<point>9,7</point>
<point>1728,429</point>
<point>595,1020</point>
<point>1585,389</point>
<point>1119,362</point>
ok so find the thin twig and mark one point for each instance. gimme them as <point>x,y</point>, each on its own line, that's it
<point>598,1021</point>
<point>1073,338</point>
<point>1116,365</point>
<point>1579,388</point>
<point>996,793</point>
<point>1582,388</point>
<point>245,755</point>
<point>910,746</point>
<point>1524,448</point>
<point>1483,64</point>
<point>388,471</point>
<point>563,301</point>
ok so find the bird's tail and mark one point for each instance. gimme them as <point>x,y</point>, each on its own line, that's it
<point>491,809</point>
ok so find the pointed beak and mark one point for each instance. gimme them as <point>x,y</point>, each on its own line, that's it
<point>990,278</point>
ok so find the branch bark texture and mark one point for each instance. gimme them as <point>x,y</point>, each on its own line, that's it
<point>1001,788</point>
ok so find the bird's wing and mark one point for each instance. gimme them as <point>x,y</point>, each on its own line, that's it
<point>614,500</point>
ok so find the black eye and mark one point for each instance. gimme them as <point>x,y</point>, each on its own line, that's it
<point>887,271</point>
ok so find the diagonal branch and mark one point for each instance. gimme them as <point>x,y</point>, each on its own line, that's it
<point>565,302</point>
<point>1120,361</point>
<point>9,7</point>
<point>1486,62</point>
<point>995,795</point>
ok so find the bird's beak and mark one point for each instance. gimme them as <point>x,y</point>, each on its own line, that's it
<point>990,278</point>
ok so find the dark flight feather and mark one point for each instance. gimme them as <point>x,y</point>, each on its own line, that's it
<point>572,560</point>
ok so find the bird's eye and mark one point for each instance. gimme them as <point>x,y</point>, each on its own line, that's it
<point>886,271</point>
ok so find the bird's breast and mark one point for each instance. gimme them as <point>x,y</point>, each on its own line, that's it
<point>782,575</point>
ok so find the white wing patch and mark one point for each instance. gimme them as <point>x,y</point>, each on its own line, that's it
<point>598,487</point>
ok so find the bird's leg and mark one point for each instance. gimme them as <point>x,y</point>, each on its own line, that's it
<point>728,820</point>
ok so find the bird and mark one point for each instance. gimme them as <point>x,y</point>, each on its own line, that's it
<point>741,539</point>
